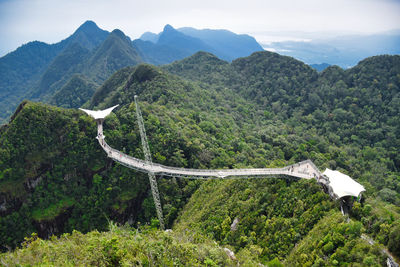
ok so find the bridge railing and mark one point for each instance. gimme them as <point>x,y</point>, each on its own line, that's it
<point>145,166</point>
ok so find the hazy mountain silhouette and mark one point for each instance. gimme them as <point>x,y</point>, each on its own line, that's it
<point>175,44</point>
<point>228,45</point>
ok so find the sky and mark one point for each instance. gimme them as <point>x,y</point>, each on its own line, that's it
<point>51,21</point>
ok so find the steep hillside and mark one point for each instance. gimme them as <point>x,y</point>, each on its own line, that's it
<point>34,67</point>
<point>59,71</point>
<point>283,220</point>
<point>266,216</point>
<point>55,179</point>
<point>74,93</point>
<point>334,241</point>
<point>114,53</point>
<point>19,70</point>
<point>94,66</point>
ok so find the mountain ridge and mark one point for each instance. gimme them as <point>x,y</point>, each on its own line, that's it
<point>23,68</point>
<point>114,53</point>
<point>227,44</point>
<point>35,71</point>
<point>223,43</point>
<point>59,70</point>
<point>88,35</point>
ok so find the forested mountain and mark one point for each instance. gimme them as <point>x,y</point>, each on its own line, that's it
<point>88,35</point>
<point>19,70</point>
<point>187,44</point>
<point>37,71</point>
<point>74,93</point>
<point>94,66</point>
<point>265,110</point>
<point>113,54</point>
<point>59,71</point>
<point>34,68</point>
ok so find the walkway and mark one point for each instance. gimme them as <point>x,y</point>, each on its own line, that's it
<point>305,169</point>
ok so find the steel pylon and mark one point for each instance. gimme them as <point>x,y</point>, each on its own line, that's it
<point>147,156</point>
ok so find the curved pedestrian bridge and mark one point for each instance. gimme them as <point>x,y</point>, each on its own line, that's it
<point>305,169</point>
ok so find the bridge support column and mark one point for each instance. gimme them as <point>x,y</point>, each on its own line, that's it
<point>147,156</point>
<point>99,126</point>
<point>156,197</point>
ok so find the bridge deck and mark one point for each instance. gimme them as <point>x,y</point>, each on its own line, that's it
<point>305,169</point>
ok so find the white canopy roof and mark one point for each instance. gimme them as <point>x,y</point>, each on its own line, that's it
<point>99,114</point>
<point>342,184</point>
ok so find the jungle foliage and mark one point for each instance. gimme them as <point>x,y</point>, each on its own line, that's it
<point>265,110</point>
<point>122,246</point>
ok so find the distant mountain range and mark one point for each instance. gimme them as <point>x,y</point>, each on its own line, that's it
<point>345,51</point>
<point>43,72</point>
<point>184,42</point>
<point>320,67</point>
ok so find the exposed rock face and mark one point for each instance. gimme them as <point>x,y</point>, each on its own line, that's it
<point>32,183</point>
<point>230,254</point>
<point>235,223</point>
<point>8,204</point>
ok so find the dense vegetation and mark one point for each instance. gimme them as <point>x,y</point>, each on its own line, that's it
<point>21,69</point>
<point>122,246</point>
<point>334,241</point>
<point>279,213</point>
<point>351,114</point>
<point>74,93</point>
<point>262,111</point>
<point>56,178</point>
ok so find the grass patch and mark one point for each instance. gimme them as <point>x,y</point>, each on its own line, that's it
<point>53,210</point>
